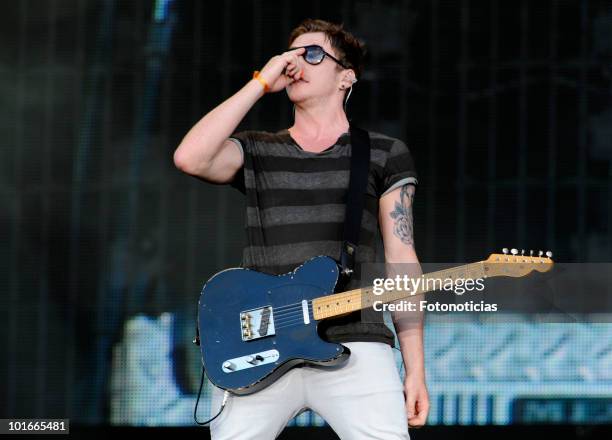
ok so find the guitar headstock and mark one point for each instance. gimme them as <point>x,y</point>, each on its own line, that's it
<point>514,265</point>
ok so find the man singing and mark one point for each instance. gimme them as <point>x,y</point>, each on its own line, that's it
<point>295,182</point>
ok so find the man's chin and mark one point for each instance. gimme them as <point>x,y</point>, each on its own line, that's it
<point>296,97</point>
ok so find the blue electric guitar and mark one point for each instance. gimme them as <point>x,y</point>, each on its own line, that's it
<point>254,326</point>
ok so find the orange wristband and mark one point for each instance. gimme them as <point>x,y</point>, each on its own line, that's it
<point>261,80</point>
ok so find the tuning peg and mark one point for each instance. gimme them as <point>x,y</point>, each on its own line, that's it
<point>522,251</point>
<point>514,251</point>
<point>540,253</point>
<point>548,254</point>
<point>505,250</point>
<point>531,252</point>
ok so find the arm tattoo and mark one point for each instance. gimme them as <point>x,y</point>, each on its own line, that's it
<point>402,215</point>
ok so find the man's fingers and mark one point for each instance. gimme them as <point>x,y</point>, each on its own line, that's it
<point>292,65</point>
<point>296,51</point>
<point>289,70</point>
<point>293,59</point>
<point>296,68</point>
<point>419,415</point>
<point>416,421</point>
<point>410,407</point>
<point>295,72</point>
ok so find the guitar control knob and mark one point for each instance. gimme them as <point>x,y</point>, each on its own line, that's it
<point>227,365</point>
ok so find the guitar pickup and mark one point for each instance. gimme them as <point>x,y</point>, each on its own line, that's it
<point>257,323</point>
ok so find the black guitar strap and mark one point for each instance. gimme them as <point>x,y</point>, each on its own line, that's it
<point>358,180</point>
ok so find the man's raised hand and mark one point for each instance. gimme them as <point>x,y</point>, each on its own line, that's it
<point>281,70</point>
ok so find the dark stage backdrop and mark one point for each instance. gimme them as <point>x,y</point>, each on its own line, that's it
<point>506,107</point>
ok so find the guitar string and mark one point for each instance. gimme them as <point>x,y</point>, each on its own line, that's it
<point>276,311</point>
<point>293,321</point>
<point>294,309</point>
<point>288,315</point>
<point>297,320</point>
<point>291,315</point>
<point>285,313</point>
<point>288,306</point>
<point>290,322</point>
<point>300,303</point>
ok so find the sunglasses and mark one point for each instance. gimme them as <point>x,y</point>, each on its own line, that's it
<point>314,54</point>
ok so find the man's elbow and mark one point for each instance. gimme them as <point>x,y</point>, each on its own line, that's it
<point>180,161</point>
<point>186,164</point>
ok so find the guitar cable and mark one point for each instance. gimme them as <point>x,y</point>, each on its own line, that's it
<point>195,411</point>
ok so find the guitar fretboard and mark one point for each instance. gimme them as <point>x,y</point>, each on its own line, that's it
<point>362,298</point>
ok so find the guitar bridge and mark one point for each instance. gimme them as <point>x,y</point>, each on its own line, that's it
<point>257,323</point>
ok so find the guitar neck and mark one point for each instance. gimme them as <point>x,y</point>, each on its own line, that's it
<point>362,298</point>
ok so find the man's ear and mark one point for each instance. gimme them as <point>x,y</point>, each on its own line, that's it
<point>351,76</point>
<point>349,79</point>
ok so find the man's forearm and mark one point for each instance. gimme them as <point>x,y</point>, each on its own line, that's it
<point>409,324</point>
<point>410,336</point>
<point>206,137</point>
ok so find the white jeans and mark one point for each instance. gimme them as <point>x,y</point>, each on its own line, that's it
<point>362,399</point>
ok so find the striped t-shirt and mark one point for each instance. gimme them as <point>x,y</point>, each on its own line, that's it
<point>295,208</point>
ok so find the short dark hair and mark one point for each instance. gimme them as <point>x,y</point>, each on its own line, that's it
<point>349,50</point>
